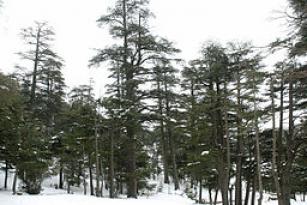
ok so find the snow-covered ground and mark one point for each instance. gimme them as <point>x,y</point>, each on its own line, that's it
<point>52,196</point>
<point>63,199</point>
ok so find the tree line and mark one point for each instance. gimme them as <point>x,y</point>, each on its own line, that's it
<point>222,116</point>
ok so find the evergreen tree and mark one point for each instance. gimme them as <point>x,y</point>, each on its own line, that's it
<point>165,81</point>
<point>38,38</point>
<point>11,107</point>
<point>130,60</point>
<point>214,73</point>
<point>245,65</point>
<point>200,158</point>
<point>50,97</point>
<point>298,19</point>
<point>75,144</point>
<point>43,96</point>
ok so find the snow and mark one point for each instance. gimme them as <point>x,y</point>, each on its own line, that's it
<point>193,163</point>
<point>52,196</point>
<point>204,153</point>
<point>3,87</point>
<point>64,199</point>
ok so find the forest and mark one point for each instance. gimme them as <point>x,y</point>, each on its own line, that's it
<point>221,123</point>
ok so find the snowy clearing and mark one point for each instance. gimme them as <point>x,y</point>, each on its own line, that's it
<point>6,198</point>
<point>49,197</point>
<point>52,196</point>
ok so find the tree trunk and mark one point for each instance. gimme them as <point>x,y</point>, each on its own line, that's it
<point>286,171</point>
<point>111,169</point>
<point>286,187</point>
<point>121,188</point>
<point>254,191</point>
<point>258,155</point>
<point>34,74</point>
<point>173,158</point>
<point>274,139</point>
<point>131,118</point>
<point>131,164</point>
<point>91,175</point>
<point>79,175</point>
<point>84,186</point>
<point>247,192</point>
<point>6,174</point>
<point>216,194</point>
<point>221,144</point>
<point>227,141</point>
<point>238,183</point>
<point>171,139</point>
<point>84,172</point>
<point>191,182</point>
<point>210,196</point>
<point>61,176</point>
<point>163,140</point>
<point>68,187</point>
<point>97,191</point>
<point>230,195</point>
<point>224,187</point>
<point>15,182</point>
<point>200,199</point>
<point>101,176</point>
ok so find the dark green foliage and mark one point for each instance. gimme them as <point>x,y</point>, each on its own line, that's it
<point>11,106</point>
<point>34,158</point>
<point>42,91</point>
<point>130,59</point>
<point>203,124</point>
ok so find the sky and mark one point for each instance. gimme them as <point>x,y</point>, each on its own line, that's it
<point>188,23</point>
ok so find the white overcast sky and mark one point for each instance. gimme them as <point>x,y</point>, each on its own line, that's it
<point>188,23</point>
